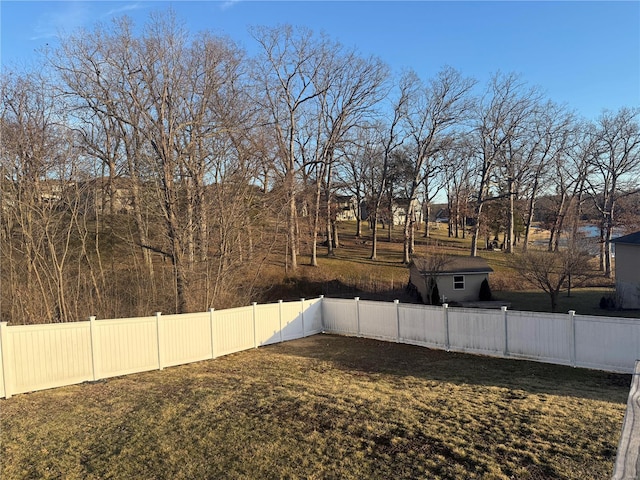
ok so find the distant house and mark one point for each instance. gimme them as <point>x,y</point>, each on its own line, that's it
<point>442,216</point>
<point>400,207</point>
<point>346,207</point>
<point>398,214</point>
<point>627,268</point>
<point>105,195</point>
<point>458,278</point>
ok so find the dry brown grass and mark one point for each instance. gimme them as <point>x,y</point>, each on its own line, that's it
<point>323,407</point>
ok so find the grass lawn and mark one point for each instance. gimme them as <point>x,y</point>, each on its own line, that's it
<point>585,301</point>
<point>323,407</point>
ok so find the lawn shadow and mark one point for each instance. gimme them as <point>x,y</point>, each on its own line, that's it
<point>376,357</point>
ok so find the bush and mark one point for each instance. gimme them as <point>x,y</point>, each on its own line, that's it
<point>435,293</point>
<point>485,291</point>
<point>607,303</point>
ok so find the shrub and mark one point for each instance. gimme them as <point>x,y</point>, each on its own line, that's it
<point>485,291</point>
<point>435,293</point>
<point>607,303</point>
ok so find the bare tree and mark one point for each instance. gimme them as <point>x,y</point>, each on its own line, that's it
<point>40,202</point>
<point>458,163</point>
<point>288,71</point>
<point>550,138</point>
<point>569,172</point>
<point>434,110</point>
<point>430,267</point>
<point>352,88</point>
<point>501,120</point>
<point>615,172</point>
<point>391,136</point>
<point>352,172</point>
<point>171,100</point>
<point>553,272</point>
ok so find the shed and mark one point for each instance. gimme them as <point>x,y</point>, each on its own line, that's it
<point>627,268</point>
<point>458,278</point>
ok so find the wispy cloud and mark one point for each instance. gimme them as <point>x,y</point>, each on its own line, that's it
<point>228,4</point>
<point>66,17</point>
<point>124,8</point>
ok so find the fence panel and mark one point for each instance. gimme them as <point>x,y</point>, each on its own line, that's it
<point>233,330</point>
<point>340,316</point>
<point>185,338</point>
<point>292,320</point>
<point>378,320</point>
<point>607,343</point>
<point>126,345</point>
<point>313,316</point>
<point>476,330</point>
<point>48,356</point>
<point>422,325</point>
<point>3,353</point>
<point>543,336</point>
<point>268,324</point>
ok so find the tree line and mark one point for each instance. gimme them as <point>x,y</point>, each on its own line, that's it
<point>161,169</point>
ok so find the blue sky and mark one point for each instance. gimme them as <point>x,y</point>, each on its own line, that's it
<point>584,54</point>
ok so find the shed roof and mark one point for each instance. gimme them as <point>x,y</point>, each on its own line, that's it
<point>631,239</point>
<point>454,264</point>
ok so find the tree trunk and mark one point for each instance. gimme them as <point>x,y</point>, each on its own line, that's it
<point>510,231</point>
<point>374,236</point>
<point>293,247</point>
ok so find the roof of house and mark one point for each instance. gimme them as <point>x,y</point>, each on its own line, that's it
<point>632,239</point>
<point>453,264</point>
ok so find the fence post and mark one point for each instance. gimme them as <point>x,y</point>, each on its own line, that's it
<point>397,302</point>
<point>572,338</point>
<point>211,329</point>
<point>357,299</point>
<point>506,332</point>
<point>255,336</point>
<point>322,313</point>
<point>445,314</point>
<point>159,338</point>
<point>302,314</point>
<point>7,373</point>
<point>280,316</point>
<point>92,338</point>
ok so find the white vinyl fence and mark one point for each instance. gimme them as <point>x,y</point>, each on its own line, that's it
<point>36,357</point>
<point>604,343</point>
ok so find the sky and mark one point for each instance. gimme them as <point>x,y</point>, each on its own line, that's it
<point>582,54</point>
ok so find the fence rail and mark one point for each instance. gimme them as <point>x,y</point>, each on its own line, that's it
<point>36,357</point>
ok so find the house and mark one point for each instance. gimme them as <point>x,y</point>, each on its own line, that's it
<point>458,278</point>
<point>345,207</point>
<point>106,195</point>
<point>400,207</point>
<point>627,268</point>
<point>398,211</point>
